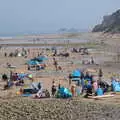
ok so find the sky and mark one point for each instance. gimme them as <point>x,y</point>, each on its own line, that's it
<point>22,16</point>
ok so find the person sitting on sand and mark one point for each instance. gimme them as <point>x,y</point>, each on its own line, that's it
<point>39,93</point>
<point>95,86</point>
<point>28,67</point>
<point>8,64</point>
<point>19,82</point>
<point>88,91</point>
<point>15,76</point>
<point>60,68</point>
<point>4,77</point>
<point>99,91</point>
<point>8,84</point>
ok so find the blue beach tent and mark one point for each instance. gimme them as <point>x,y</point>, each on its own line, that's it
<point>32,62</point>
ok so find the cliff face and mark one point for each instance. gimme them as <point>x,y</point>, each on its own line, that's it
<point>110,23</point>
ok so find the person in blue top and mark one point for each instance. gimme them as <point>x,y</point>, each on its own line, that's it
<point>99,91</point>
<point>88,76</point>
<point>88,91</point>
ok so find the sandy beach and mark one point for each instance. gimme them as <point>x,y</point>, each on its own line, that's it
<point>104,54</point>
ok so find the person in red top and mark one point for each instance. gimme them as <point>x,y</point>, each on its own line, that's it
<point>73,90</point>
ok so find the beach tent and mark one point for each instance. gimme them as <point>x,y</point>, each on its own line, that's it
<point>76,73</point>
<point>63,93</point>
<point>33,62</point>
<point>115,86</point>
<point>42,58</point>
<point>75,76</point>
<point>38,60</point>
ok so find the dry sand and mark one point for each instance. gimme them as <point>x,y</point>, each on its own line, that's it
<point>103,55</point>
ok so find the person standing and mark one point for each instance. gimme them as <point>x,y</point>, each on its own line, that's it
<point>70,77</point>
<point>55,63</point>
<point>92,61</point>
<point>4,77</point>
<point>73,90</point>
<point>5,54</point>
<point>100,74</point>
<point>53,89</point>
<point>95,86</point>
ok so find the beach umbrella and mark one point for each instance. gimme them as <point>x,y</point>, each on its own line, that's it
<point>38,60</point>
<point>76,75</point>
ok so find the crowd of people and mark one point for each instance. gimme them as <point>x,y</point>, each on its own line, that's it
<point>87,84</point>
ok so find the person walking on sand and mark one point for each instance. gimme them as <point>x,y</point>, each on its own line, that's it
<point>55,63</point>
<point>92,61</point>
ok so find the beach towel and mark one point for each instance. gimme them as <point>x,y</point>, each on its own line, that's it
<point>26,95</point>
<point>43,93</point>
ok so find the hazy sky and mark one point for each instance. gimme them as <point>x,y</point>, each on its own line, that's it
<point>50,15</point>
